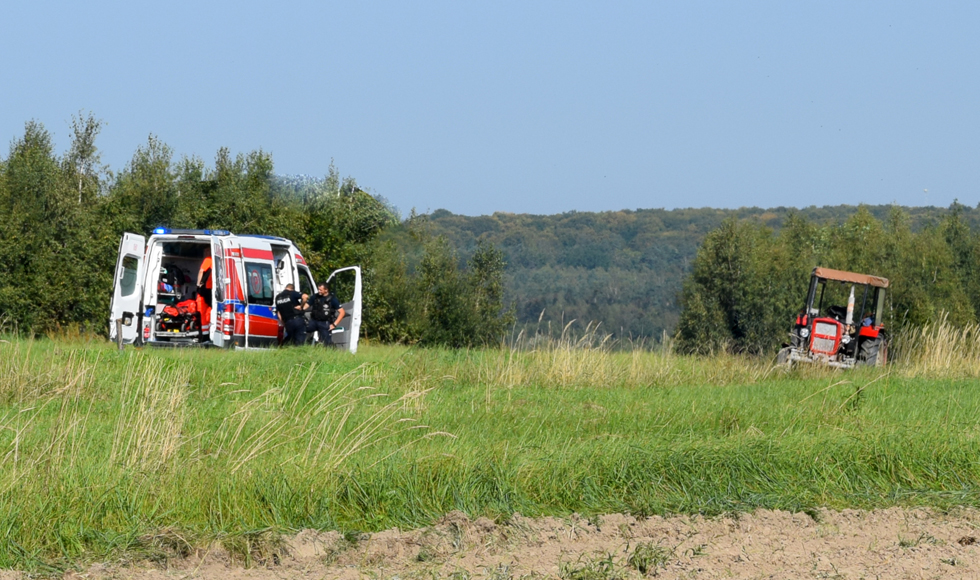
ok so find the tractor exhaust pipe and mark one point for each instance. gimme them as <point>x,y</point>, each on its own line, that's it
<point>850,308</point>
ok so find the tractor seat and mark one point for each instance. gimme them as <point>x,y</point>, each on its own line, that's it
<point>838,313</point>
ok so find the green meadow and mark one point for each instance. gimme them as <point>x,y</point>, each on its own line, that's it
<point>147,454</point>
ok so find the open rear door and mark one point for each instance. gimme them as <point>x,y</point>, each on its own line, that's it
<point>127,287</point>
<point>345,284</point>
<point>235,324</point>
<point>221,317</point>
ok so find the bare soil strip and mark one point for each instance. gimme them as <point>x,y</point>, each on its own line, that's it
<point>891,543</point>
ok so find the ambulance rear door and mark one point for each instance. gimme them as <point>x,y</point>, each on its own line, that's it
<point>222,290</point>
<point>236,297</point>
<point>127,287</point>
<point>345,284</point>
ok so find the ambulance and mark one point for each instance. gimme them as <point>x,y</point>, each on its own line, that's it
<point>155,290</point>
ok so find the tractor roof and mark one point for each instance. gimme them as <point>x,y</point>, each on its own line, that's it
<point>842,276</point>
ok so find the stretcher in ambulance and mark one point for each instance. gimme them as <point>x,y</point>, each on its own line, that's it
<point>157,299</point>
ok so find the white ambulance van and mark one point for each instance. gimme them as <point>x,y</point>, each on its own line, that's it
<point>155,290</point>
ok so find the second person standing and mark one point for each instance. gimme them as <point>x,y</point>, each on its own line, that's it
<point>326,314</point>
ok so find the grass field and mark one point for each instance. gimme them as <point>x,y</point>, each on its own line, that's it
<point>144,454</point>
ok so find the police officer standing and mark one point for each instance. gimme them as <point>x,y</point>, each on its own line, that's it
<point>326,312</point>
<point>289,308</point>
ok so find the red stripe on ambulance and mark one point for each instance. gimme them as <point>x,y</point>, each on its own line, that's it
<point>257,254</point>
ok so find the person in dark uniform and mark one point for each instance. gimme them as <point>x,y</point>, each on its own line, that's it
<point>326,314</point>
<point>289,309</point>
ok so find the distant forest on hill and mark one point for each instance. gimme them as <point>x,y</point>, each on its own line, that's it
<point>623,269</point>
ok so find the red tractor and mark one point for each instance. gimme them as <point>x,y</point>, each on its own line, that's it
<point>831,331</point>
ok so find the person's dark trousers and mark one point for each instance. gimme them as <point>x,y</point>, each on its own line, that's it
<point>323,328</point>
<point>207,294</point>
<point>296,330</point>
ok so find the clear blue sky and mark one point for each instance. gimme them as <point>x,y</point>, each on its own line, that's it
<point>537,107</point>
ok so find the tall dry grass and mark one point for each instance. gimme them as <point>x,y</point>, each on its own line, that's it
<point>938,350</point>
<point>28,373</point>
<point>593,359</point>
<point>149,429</point>
<point>73,413</point>
<point>324,427</point>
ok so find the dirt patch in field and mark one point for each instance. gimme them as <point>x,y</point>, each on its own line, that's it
<point>892,543</point>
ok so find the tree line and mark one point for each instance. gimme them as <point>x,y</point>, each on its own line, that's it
<point>63,216</point>
<point>748,281</point>
<point>443,278</point>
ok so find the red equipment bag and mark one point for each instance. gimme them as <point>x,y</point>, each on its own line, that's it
<point>187,307</point>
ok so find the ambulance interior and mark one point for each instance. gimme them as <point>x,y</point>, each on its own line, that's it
<point>171,292</point>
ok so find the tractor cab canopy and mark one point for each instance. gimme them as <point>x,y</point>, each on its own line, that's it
<point>842,276</point>
<point>847,297</point>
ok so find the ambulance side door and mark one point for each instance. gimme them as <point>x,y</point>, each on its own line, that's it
<point>306,286</point>
<point>127,287</point>
<point>349,293</point>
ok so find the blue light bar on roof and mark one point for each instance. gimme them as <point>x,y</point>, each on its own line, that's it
<point>162,230</point>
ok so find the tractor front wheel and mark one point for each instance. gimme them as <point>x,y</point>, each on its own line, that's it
<point>782,357</point>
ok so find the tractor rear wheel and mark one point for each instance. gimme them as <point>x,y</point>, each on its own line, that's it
<point>874,352</point>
